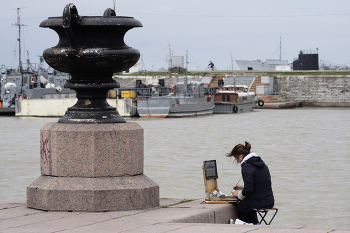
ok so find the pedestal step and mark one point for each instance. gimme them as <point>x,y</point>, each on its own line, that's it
<point>92,194</point>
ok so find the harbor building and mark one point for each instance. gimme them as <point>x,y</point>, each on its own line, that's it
<point>307,60</point>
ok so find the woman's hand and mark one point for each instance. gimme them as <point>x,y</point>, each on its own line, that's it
<point>235,193</point>
<point>238,187</point>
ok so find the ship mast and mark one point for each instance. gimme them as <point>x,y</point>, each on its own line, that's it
<point>19,25</point>
<point>170,61</point>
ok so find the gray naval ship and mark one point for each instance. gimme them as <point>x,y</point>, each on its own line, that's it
<point>186,99</point>
<point>30,83</point>
<point>269,64</point>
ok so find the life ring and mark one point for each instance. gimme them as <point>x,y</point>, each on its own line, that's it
<point>261,103</point>
<point>32,80</point>
<point>235,109</point>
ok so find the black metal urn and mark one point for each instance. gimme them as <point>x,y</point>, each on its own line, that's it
<point>91,49</point>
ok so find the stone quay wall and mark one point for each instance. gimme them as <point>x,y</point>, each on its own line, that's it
<point>309,90</point>
<point>315,90</point>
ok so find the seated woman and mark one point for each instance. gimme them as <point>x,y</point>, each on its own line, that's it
<point>257,191</point>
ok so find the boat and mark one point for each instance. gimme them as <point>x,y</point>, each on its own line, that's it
<point>269,64</point>
<point>235,98</point>
<point>30,81</point>
<point>186,99</point>
<point>6,111</point>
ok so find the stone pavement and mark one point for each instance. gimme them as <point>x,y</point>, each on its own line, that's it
<point>174,215</point>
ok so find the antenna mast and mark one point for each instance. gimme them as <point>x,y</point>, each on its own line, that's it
<point>114,4</point>
<point>231,61</point>
<point>170,57</point>
<point>143,64</point>
<point>186,69</point>
<point>280,48</point>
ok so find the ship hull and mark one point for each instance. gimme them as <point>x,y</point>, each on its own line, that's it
<point>161,107</point>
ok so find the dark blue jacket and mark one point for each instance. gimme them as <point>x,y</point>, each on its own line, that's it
<point>257,185</point>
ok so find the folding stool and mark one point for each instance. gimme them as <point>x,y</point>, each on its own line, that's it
<point>263,213</point>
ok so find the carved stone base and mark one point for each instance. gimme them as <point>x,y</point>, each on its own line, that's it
<point>92,194</point>
<point>92,167</point>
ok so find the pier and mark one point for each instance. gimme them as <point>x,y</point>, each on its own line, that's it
<point>173,215</point>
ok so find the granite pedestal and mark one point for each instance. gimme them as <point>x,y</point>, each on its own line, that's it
<point>92,167</point>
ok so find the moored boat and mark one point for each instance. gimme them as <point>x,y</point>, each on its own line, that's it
<point>236,98</point>
<point>29,82</point>
<point>187,99</point>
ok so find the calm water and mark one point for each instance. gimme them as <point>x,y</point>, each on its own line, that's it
<point>306,149</point>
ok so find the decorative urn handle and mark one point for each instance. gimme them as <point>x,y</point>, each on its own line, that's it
<point>70,13</point>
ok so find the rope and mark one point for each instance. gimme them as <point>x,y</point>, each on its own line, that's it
<point>130,105</point>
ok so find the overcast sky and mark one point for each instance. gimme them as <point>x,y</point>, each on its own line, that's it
<point>209,30</point>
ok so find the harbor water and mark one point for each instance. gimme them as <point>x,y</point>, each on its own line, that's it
<point>306,149</point>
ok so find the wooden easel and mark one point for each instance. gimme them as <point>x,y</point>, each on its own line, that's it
<point>211,185</point>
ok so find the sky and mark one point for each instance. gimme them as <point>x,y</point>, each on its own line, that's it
<point>219,31</point>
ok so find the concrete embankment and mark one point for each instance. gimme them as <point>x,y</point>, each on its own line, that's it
<point>173,215</point>
<point>279,105</point>
<point>315,90</point>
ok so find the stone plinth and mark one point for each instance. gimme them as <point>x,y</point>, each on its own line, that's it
<point>92,194</point>
<point>91,150</point>
<point>92,167</point>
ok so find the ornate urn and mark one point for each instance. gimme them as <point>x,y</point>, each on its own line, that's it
<point>91,49</point>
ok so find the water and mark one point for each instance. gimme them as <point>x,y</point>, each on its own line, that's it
<point>306,149</point>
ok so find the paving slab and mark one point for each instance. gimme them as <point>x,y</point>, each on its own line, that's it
<point>175,214</point>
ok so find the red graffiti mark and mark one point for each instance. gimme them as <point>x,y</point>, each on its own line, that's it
<point>44,150</point>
